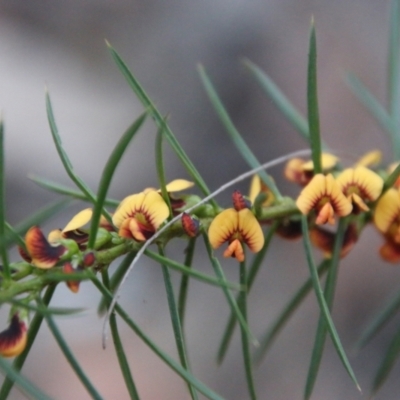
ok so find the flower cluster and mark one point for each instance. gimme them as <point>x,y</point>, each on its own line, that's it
<point>355,193</point>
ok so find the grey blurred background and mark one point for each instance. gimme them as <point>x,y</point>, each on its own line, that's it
<point>60,44</point>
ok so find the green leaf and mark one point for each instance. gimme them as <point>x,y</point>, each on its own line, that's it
<point>278,324</point>
<point>235,136</point>
<point>322,303</point>
<point>192,272</point>
<point>183,373</point>
<point>65,160</point>
<point>40,216</point>
<point>184,285</point>
<point>242,304</point>
<point>159,120</point>
<point>391,179</point>
<point>393,64</point>
<point>383,317</point>
<point>176,323</point>
<point>3,246</point>
<point>280,100</point>
<point>24,384</point>
<point>119,349</point>
<point>108,174</point>
<point>387,364</point>
<point>71,358</point>
<point>376,110</point>
<point>61,189</point>
<point>329,293</point>
<point>33,330</point>
<point>46,310</point>
<point>312,103</point>
<point>116,279</point>
<point>160,170</point>
<point>231,300</point>
<point>254,268</point>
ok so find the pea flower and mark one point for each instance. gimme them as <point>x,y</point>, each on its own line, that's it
<point>258,186</point>
<point>300,171</point>
<point>387,221</point>
<point>325,240</point>
<point>360,185</point>
<point>40,252</point>
<point>323,194</point>
<point>372,158</point>
<point>73,230</point>
<point>236,228</point>
<point>13,339</point>
<point>139,215</point>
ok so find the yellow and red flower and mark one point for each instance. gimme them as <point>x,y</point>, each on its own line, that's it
<point>73,230</point>
<point>387,220</point>
<point>325,240</point>
<point>300,171</point>
<point>138,216</point>
<point>324,195</point>
<point>40,252</point>
<point>370,159</point>
<point>236,228</point>
<point>13,339</point>
<point>258,186</point>
<point>360,185</point>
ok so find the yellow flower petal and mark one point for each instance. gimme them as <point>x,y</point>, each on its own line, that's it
<point>127,208</point>
<point>250,230</point>
<point>372,158</point>
<point>257,186</point>
<point>42,253</point>
<point>79,220</point>
<point>178,185</point>
<point>222,227</point>
<point>328,161</point>
<point>155,209</point>
<point>362,181</point>
<point>294,171</point>
<point>149,211</point>
<point>13,339</point>
<point>320,191</point>
<point>387,210</point>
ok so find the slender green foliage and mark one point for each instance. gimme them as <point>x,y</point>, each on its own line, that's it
<point>119,349</point>
<point>160,121</point>
<point>32,333</point>
<point>24,384</point>
<point>220,282</point>
<point>235,136</point>
<point>116,279</point>
<point>253,270</point>
<point>231,300</point>
<point>3,248</point>
<point>388,362</point>
<point>322,303</point>
<point>65,190</point>
<point>379,321</point>
<point>280,100</point>
<point>312,102</point>
<point>65,159</point>
<point>108,174</point>
<point>184,285</point>
<point>71,358</point>
<point>329,293</point>
<point>242,304</point>
<point>183,373</point>
<point>176,323</point>
<point>270,335</point>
